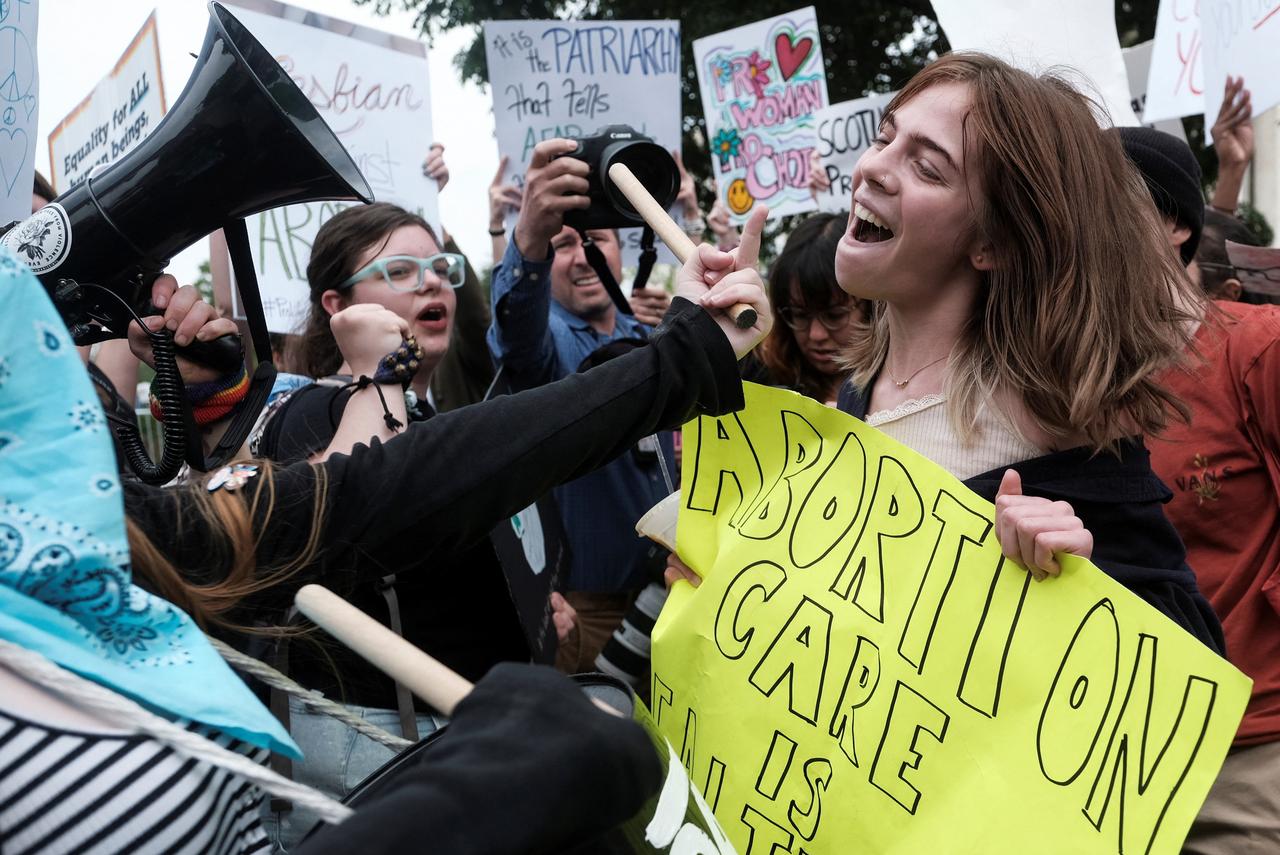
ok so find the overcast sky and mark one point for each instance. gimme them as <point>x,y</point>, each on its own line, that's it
<point>81,40</point>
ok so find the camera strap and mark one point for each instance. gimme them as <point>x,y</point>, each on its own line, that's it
<point>596,259</point>
<point>648,255</point>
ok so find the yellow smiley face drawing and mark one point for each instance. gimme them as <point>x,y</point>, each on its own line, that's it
<point>738,198</point>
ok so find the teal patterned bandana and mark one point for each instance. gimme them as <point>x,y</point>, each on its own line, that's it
<point>66,588</point>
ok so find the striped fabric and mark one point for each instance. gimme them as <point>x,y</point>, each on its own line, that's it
<point>65,791</point>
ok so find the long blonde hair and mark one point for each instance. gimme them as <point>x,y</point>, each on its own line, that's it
<point>1083,306</point>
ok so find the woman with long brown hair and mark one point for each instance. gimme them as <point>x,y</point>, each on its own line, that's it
<point>1027,308</point>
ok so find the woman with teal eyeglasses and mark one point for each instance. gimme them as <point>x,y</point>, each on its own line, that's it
<point>386,256</point>
<point>377,275</point>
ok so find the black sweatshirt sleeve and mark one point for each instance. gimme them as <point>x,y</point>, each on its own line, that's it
<point>444,483</point>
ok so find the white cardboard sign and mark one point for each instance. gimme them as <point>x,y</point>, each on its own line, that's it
<point>1137,62</point>
<point>1040,34</point>
<point>1241,39</point>
<point>570,78</point>
<point>372,88</point>
<point>762,85</point>
<point>1176,83</point>
<point>845,131</point>
<point>19,86</point>
<point>119,113</point>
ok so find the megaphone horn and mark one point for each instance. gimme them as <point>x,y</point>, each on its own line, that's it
<point>241,138</point>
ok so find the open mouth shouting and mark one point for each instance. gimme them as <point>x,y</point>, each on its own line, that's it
<point>867,227</point>
<point>434,316</point>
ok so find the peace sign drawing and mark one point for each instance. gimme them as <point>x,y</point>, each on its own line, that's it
<point>18,86</point>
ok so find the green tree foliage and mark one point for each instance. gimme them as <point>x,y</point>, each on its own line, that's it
<point>204,282</point>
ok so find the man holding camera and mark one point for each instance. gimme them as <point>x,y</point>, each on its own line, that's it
<point>551,317</point>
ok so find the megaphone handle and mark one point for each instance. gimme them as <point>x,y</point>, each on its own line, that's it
<point>223,353</point>
<point>264,374</point>
<point>744,316</point>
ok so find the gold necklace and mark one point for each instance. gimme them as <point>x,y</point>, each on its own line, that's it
<point>901,384</point>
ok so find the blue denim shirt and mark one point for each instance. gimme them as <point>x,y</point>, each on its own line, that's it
<point>536,341</point>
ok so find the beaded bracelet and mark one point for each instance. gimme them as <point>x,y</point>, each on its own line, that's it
<point>400,365</point>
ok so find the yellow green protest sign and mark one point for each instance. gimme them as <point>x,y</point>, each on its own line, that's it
<point>862,671</point>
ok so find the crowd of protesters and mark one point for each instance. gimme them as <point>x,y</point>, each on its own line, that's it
<point>1099,368</point>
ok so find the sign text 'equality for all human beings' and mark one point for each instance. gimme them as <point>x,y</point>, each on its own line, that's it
<point>120,112</point>
<point>861,669</point>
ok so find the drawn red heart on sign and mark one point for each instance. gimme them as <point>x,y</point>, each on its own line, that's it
<point>791,55</point>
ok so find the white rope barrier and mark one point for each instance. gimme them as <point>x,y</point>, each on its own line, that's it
<point>314,701</point>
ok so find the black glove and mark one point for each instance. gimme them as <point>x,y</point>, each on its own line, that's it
<point>528,764</point>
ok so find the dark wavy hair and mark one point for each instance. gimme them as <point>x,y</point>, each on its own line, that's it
<point>339,246</point>
<point>806,266</point>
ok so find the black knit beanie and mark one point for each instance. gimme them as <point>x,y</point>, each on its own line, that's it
<point>1173,177</point>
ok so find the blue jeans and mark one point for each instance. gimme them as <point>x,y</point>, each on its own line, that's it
<point>337,759</point>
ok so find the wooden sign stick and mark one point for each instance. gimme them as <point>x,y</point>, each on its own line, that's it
<point>664,227</point>
<point>418,672</point>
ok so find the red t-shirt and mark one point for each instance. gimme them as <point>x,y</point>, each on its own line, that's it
<point>1224,471</point>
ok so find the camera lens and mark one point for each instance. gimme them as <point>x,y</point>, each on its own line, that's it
<point>651,164</point>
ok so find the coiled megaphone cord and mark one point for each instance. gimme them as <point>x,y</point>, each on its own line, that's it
<point>170,391</point>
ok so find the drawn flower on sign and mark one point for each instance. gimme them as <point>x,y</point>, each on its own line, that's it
<point>758,72</point>
<point>725,145</point>
<point>723,69</point>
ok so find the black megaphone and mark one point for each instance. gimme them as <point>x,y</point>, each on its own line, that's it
<point>240,139</point>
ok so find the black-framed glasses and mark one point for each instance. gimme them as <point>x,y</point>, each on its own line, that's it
<point>407,272</point>
<point>834,318</point>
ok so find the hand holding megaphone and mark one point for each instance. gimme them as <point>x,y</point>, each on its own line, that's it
<point>208,345</point>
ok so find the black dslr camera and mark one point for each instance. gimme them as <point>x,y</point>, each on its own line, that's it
<point>652,164</point>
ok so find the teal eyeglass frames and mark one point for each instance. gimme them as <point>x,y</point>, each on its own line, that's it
<point>407,272</point>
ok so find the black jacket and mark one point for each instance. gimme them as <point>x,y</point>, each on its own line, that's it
<point>428,592</point>
<point>1118,498</point>
<point>439,487</point>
